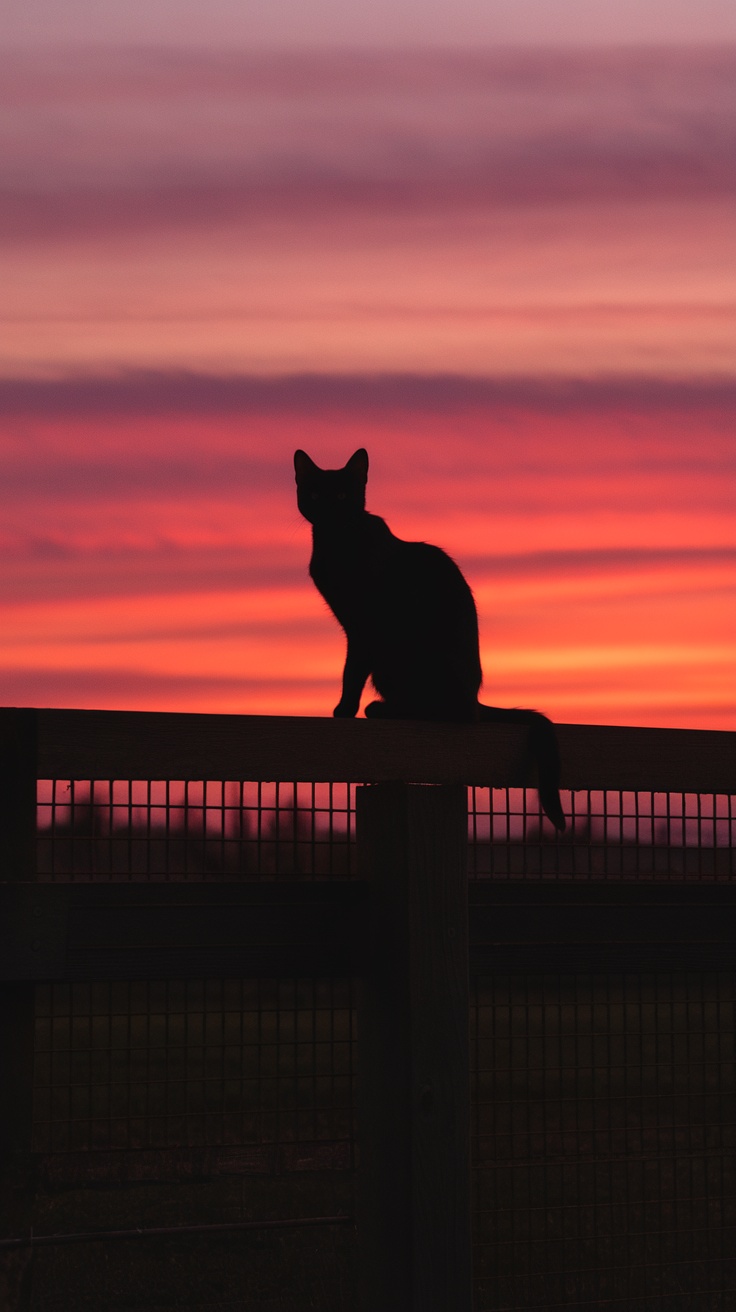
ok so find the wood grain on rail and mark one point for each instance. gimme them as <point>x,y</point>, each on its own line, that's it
<point>158,745</point>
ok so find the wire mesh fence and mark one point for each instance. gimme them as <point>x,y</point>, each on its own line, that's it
<point>604,1105</point>
<point>194,829</point>
<point>604,1118</point>
<point>212,1119</point>
<point>611,834</point>
<point>209,829</point>
<point>189,1063</point>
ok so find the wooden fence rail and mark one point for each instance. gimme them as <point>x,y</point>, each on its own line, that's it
<point>150,745</point>
<point>407,927</point>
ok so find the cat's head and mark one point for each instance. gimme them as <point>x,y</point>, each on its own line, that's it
<point>331,496</point>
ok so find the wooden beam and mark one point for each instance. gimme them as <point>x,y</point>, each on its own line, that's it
<point>157,745</point>
<point>18,773</point>
<point>128,744</point>
<point>657,760</point>
<point>175,931</point>
<point>290,927</point>
<point>576,925</point>
<point>413,1064</point>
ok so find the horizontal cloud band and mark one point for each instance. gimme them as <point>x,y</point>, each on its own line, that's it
<point>151,392</point>
<point>106,143</point>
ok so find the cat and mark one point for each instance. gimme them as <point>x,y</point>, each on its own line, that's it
<point>409,617</point>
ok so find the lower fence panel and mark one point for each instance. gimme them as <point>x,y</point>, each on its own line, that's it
<point>133,1065</point>
<point>604,1104</point>
<point>195,1103</point>
<point>604,1129</point>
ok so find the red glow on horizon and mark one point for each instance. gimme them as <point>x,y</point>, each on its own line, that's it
<point>601,559</point>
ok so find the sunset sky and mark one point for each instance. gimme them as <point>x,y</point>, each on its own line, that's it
<point>501,261</point>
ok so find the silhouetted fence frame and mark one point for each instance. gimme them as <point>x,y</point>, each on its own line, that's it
<point>407,927</point>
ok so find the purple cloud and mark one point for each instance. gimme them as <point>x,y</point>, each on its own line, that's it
<point>105,143</point>
<point>151,392</point>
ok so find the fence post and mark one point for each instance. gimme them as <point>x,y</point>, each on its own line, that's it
<point>413,1066</point>
<point>18,755</point>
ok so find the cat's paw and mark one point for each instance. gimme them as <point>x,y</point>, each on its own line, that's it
<point>344,711</point>
<point>376,710</point>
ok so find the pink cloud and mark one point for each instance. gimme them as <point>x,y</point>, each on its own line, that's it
<point>124,142</point>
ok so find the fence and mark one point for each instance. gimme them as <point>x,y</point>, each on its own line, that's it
<point>238,1070</point>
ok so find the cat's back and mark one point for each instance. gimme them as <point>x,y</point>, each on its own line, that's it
<point>407,582</point>
<point>424,590</point>
<point>425,631</point>
<point>427,562</point>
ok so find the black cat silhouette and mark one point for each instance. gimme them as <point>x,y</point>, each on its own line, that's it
<point>408,615</point>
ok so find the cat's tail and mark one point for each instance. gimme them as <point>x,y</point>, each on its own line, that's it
<point>543,743</point>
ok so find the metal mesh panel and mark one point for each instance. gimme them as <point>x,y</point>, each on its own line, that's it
<point>610,835</point>
<point>130,1065</point>
<point>198,830</point>
<point>604,1122</point>
<point>193,830</point>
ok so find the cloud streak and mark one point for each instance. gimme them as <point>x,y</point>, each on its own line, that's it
<point>114,143</point>
<point>182,392</point>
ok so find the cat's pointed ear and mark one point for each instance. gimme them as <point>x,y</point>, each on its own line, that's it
<point>358,465</point>
<point>303,465</point>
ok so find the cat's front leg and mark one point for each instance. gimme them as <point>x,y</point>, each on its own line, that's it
<point>354,678</point>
